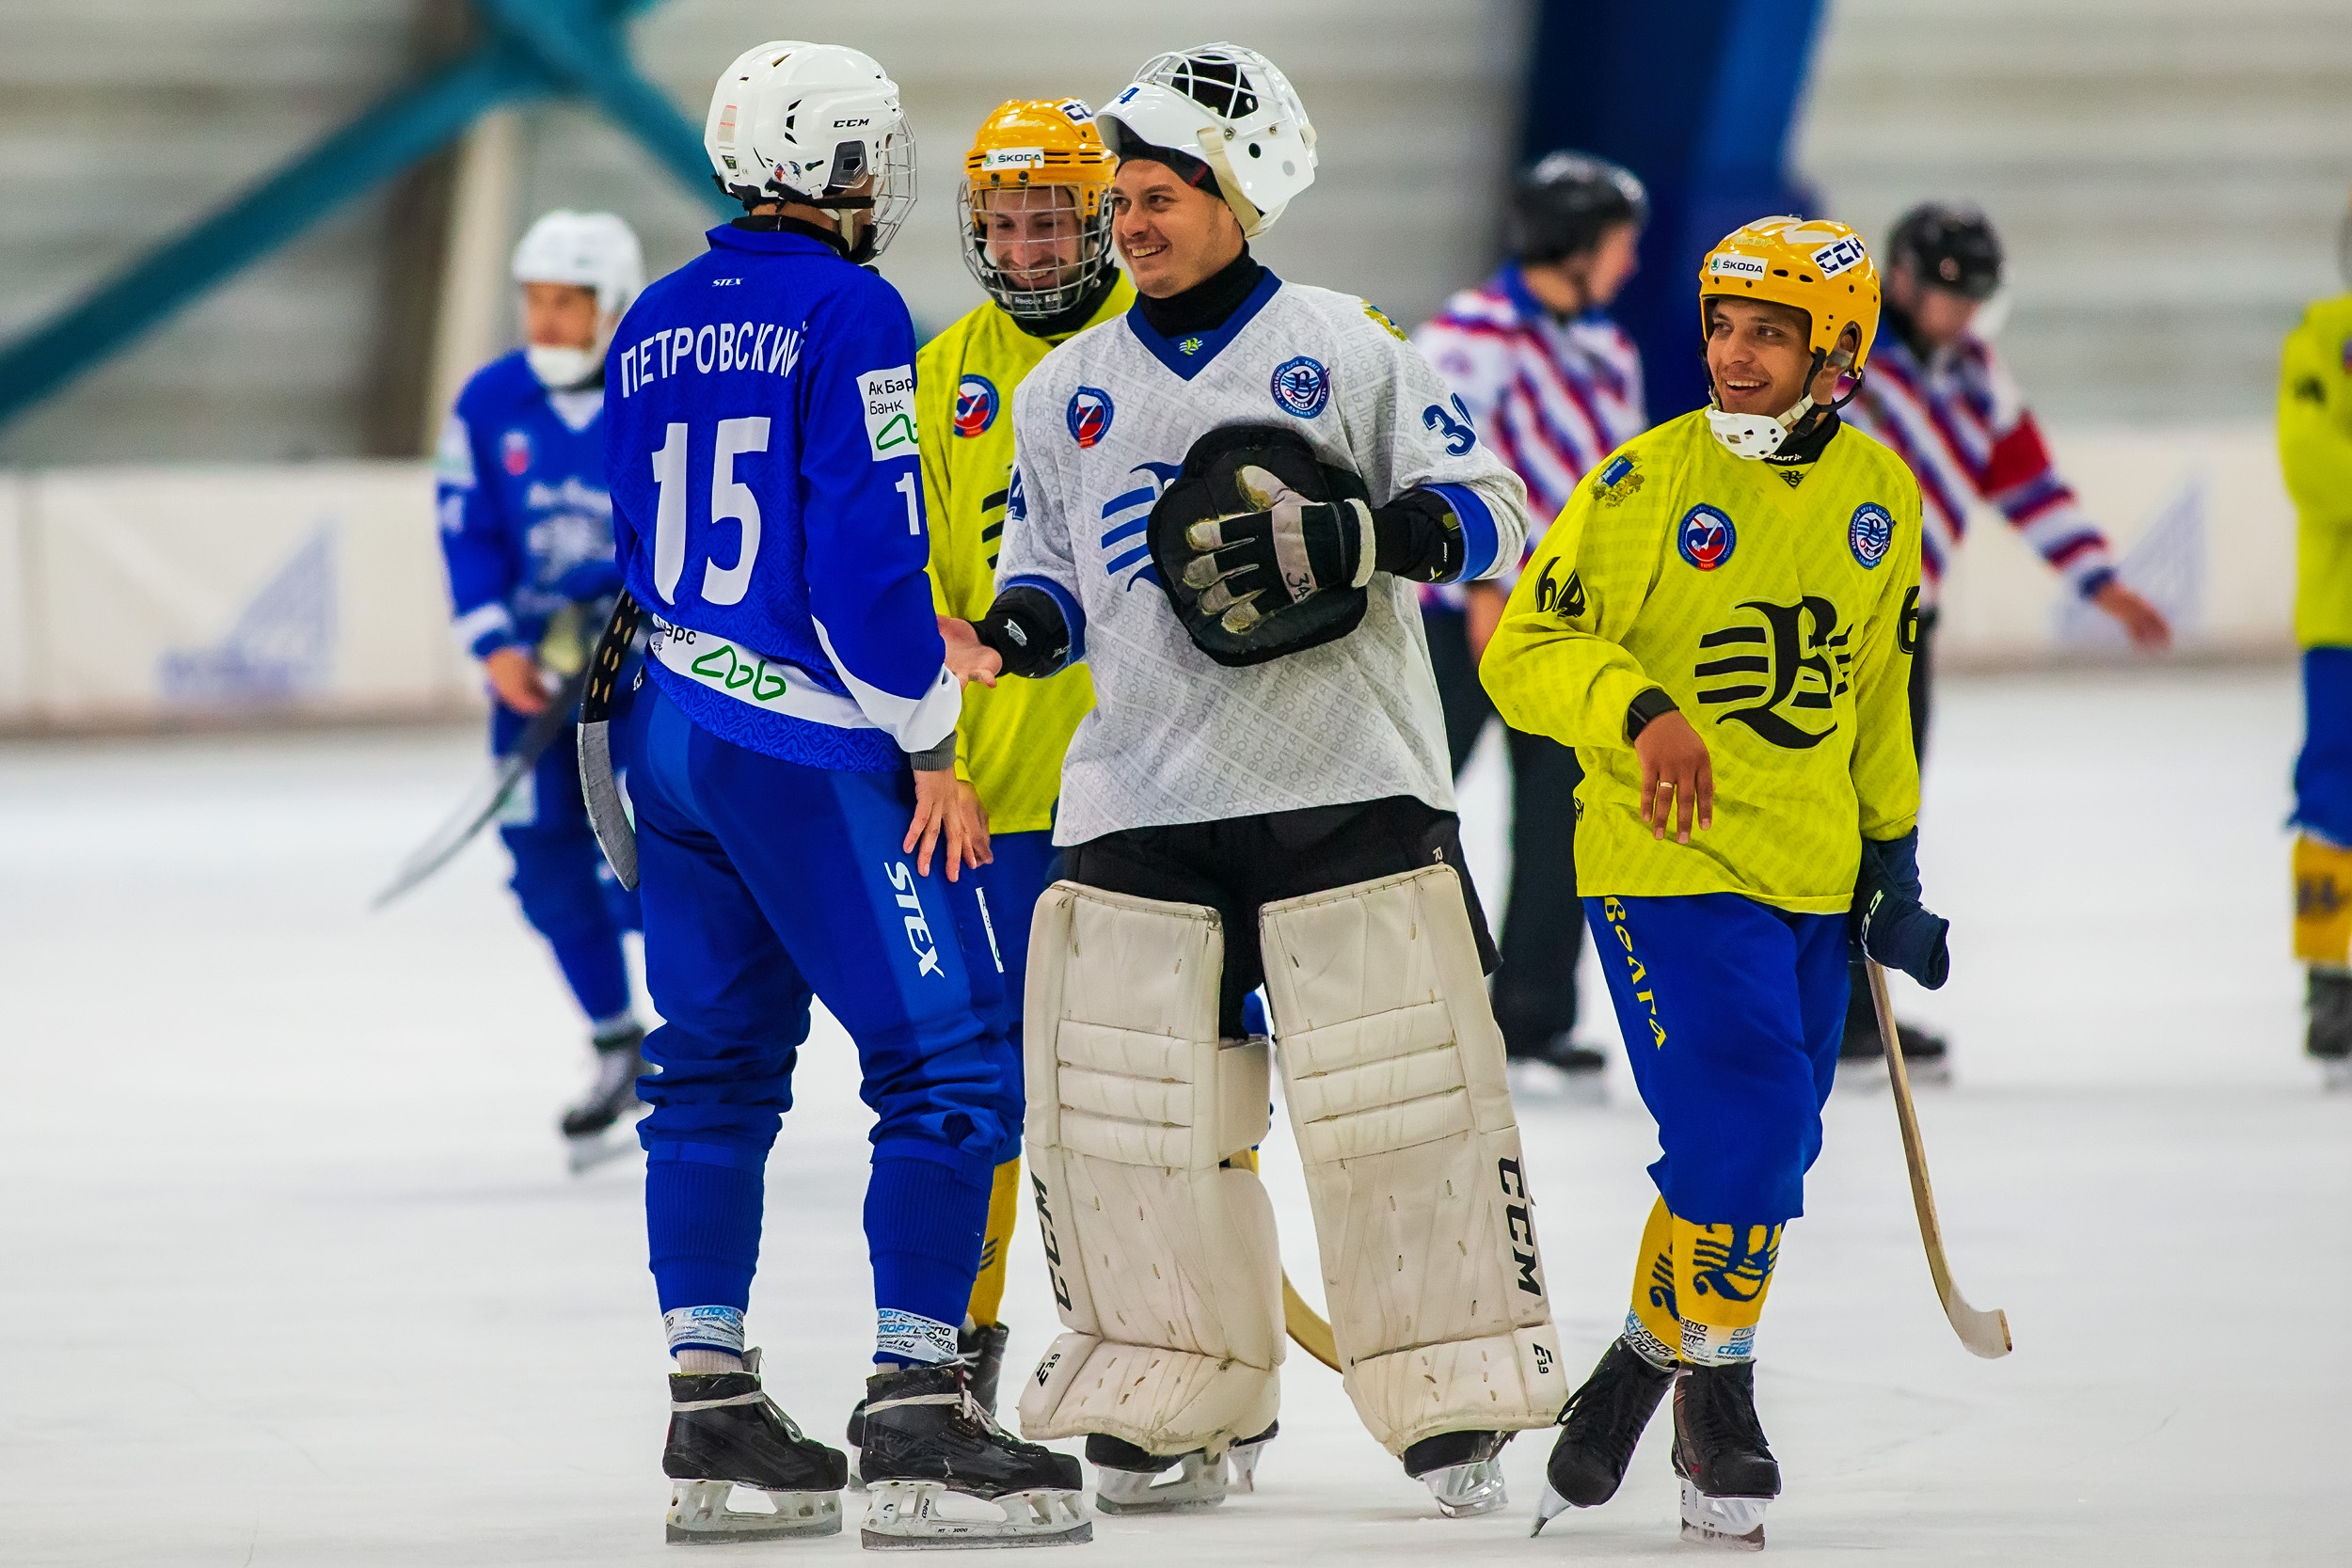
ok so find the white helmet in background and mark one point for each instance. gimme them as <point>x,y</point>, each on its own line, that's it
<point>589,250</point>
<point>811,123</point>
<point>1231,108</point>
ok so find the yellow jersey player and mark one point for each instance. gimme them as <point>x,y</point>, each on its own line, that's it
<point>1722,624</point>
<point>1035,215</point>
<point>2316,451</point>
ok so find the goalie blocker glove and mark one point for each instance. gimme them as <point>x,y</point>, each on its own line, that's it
<point>1890,925</point>
<point>1264,550</point>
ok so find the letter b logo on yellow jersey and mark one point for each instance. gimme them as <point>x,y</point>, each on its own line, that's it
<point>1801,654</point>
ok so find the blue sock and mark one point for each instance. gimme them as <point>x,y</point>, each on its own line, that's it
<point>595,969</point>
<point>702,1228</point>
<point>925,1216</point>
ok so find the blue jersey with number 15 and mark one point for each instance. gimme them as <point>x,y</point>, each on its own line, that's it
<point>767,502</point>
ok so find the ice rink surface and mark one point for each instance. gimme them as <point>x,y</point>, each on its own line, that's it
<point>294,1273</point>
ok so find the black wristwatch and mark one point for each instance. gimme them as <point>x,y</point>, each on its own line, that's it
<point>1652,704</point>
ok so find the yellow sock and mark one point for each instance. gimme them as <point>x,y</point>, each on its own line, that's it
<point>1651,1327</point>
<point>1004,1206</point>
<point>1721,1274</point>
<point>2323,902</point>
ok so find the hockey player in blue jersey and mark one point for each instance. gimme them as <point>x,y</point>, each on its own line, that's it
<point>527,534</point>
<point>794,747</point>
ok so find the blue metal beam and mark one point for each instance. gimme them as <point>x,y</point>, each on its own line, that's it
<point>535,47</point>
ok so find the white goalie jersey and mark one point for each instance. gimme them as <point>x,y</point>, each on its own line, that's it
<point>1102,427</point>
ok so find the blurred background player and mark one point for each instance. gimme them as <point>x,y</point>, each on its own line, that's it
<point>526,535</point>
<point>798,712</point>
<point>1036,215</point>
<point>1940,396</point>
<point>1749,570</point>
<point>2316,452</point>
<point>1554,386</point>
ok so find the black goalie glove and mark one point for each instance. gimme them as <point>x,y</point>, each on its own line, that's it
<point>1262,549</point>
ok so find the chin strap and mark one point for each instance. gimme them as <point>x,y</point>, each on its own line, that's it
<point>1755,436</point>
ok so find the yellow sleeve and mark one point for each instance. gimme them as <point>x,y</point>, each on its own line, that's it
<point>1557,665</point>
<point>1885,763</point>
<point>951,563</point>
<point>2315,425</point>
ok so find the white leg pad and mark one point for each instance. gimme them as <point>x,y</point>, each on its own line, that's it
<point>1163,1259</point>
<point>1392,1068</point>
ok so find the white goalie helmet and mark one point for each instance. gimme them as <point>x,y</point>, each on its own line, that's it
<point>589,251</point>
<point>1235,110</point>
<point>811,123</point>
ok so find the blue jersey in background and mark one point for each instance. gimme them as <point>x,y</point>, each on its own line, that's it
<point>768,503</point>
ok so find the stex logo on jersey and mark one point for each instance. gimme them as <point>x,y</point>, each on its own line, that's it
<point>1706,537</point>
<point>1302,386</point>
<point>1127,521</point>
<point>1798,650</point>
<point>1091,413</point>
<point>975,406</point>
<point>1871,534</point>
<point>514,452</point>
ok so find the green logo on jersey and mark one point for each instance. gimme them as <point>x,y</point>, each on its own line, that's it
<point>722,665</point>
<point>899,431</point>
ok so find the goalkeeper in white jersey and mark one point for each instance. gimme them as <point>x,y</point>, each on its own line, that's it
<point>1224,502</point>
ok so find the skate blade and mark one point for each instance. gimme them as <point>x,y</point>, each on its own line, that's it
<point>1547,1508</point>
<point>1241,1465</point>
<point>1734,1523</point>
<point>931,1515</point>
<point>1464,1490</point>
<point>699,1514</point>
<point>1199,1484</point>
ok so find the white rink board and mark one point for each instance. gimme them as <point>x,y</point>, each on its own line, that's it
<point>296,1281</point>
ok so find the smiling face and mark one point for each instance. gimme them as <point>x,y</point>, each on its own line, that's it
<point>1170,234</point>
<point>1032,233</point>
<point>1758,354</point>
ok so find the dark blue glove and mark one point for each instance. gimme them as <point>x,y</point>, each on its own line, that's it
<point>1888,922</point>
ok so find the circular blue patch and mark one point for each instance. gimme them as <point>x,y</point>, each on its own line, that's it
<point>1302,386</point>
<point>1871,534</point>
<point>1091,413</point>
<point>975,406</point>
<point>1706,537</point>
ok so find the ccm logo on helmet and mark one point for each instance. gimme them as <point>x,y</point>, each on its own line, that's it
<point>918,929</point>
<point>1834,259</point>
<point>852,124</point>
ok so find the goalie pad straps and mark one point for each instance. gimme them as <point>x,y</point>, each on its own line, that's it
<point>1163,1259</point>
<point>1392,1070</point>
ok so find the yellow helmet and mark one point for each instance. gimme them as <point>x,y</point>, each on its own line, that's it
<point>1814,265</point>
<point>1034,154</point>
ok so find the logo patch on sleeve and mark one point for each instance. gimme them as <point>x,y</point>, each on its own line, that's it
<point>1091,413</point>
<point>1302,386</point>
<point>1871,534</point>
<point>975,406</point>
<point>1706,537</point>
<point>1382,317</point>
<point>888,398</point>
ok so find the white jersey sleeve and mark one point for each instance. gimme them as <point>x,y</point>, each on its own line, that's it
<point>1038,548</point>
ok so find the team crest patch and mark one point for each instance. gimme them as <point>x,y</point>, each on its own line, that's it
<point>1871,534</point>
<point>1616,482</point>
<point>975,406</point>
<point>1705,538</point>
<point>1089,416</point>
<point>1382,317</point>
<point>1302,386</point>
<point>514,452</point>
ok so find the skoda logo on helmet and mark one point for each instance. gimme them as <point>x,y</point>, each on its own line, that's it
<point>1706,537</point>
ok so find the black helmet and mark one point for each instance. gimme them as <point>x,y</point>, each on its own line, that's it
<point>1562,205</point>
<point>1949,245</point>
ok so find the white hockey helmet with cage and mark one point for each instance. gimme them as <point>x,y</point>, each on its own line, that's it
<point>812,123</point>
<point>1231,108</point>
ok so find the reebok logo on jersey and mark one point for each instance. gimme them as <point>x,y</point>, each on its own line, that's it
<point>887,397</point>
<point>918,928</point>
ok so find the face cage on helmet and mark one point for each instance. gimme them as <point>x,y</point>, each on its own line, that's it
<point>882,213</point>
<point>1081,277</point>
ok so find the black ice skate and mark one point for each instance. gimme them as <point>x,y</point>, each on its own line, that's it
<point>2328,1038</point>
<point>725,1434</point>
<point>1728,1473</point>
<point>586,1125</point>
<point>1129,1480</point>
<point>982,1350</point>
<point>1925,1057</point>
<point>931,1452</point>
<point>1599,1427</point>
<point>1463,1470</point>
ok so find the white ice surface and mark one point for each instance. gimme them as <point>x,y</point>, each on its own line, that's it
<point>291,1273</point>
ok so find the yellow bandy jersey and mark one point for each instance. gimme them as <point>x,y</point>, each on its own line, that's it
<point>1011,739</point>
<point>2316,452</point>
<point>1780,616</point>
